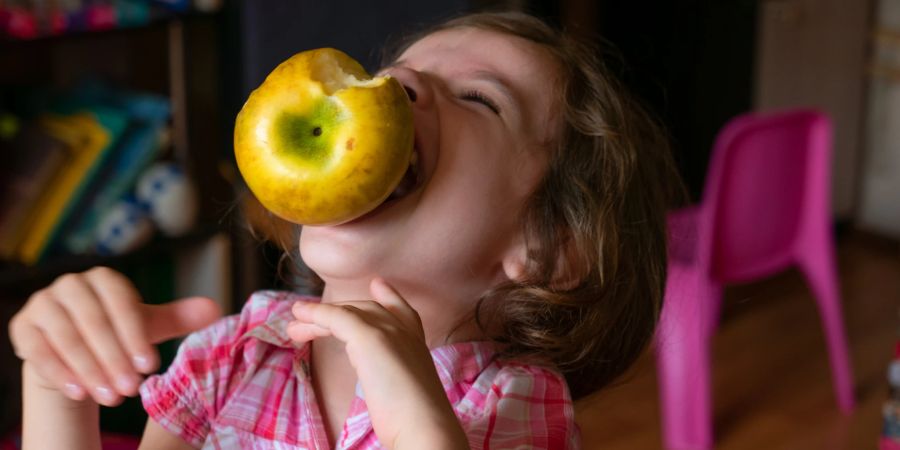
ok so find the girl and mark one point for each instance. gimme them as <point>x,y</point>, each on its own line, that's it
<point>525,269</point>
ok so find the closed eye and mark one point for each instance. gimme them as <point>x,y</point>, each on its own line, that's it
<point>479,97</point>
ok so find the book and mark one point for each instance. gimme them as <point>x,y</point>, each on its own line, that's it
<point>140,145</point>
<point>33,158</point>
<point>91,134</point>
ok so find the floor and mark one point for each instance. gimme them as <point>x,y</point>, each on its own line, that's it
<point>771,375</point>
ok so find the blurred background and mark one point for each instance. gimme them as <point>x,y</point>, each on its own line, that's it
<point>116,120</point>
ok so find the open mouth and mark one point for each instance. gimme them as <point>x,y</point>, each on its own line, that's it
<point>410,180</point>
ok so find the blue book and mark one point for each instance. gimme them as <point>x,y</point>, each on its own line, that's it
<point>140,145</point>
<point>136,150</point>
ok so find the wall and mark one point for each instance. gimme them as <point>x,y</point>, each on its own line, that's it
<point>813,53</point>
<point>879,209</point>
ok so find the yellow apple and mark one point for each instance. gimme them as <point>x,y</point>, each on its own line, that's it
<point>320,142</point>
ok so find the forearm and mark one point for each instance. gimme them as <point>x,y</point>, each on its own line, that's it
<point>51,420</point>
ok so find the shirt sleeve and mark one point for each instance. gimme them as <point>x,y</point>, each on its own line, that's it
<point>179,399</point>
<point>526,407</point>
<point>186,398</point>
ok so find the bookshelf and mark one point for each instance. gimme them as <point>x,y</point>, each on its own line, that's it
<point>205,65</point>
<point>178,58</point>
<point>174,58</point>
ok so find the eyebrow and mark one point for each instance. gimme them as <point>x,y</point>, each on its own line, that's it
<point>479,75</point>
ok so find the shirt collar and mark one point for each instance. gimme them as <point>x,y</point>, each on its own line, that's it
<point>274,329</point>
<point>462,362</point>
<point>456,363</point>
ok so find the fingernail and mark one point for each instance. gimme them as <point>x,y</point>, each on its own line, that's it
<point>142,363</point>
<point>74,390</point>
<point>105,393</point>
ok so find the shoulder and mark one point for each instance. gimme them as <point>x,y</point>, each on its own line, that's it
<point>516,385</point>
<point>539,381</point>
<point>514,404</point>
<point>215,364</point>
<point>234,340</point>
<point>263,317</point>
<point>243,342</point>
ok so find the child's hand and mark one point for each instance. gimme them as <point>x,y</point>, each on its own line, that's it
<point>386,345</point>
<point>88,334</point>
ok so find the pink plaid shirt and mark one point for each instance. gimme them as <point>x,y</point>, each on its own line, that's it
<point>243,384</point>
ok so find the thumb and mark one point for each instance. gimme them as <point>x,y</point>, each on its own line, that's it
<point>180,317</point>
<point>390,299</point>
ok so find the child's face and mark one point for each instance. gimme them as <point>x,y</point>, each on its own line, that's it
<point>452,233</point>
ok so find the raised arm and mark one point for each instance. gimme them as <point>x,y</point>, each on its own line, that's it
<point>86,340</point>
<point>52,420</point>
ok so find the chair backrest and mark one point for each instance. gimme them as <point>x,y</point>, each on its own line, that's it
<point>769,176</point>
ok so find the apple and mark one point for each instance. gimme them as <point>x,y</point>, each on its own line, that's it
<point>321,142</point>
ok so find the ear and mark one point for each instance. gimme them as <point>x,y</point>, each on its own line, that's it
<point>516,259</point>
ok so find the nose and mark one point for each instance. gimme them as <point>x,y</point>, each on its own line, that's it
<point>416,84</point>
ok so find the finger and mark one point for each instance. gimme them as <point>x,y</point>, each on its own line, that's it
<point>390,299</point>
<point>122,301</point>
<point>35,349</point>
<point>365,307</point>
<point>345,322</point>
<point>80,301</point>
<point>67,342</point>
<point>178,318</point>
<point>304,332</point>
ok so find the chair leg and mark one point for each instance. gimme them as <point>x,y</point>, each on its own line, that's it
<point>684,387</point>
<point>821,273</point>
<point>683,365</point>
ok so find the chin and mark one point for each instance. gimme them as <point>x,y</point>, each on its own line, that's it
<point>332,258</point>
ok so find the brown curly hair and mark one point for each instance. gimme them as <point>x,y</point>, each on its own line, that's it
<point>599,211</point>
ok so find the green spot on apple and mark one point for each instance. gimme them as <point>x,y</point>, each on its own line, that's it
<point>308,137</point>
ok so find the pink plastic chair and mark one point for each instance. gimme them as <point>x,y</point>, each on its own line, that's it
<point>765,208</point>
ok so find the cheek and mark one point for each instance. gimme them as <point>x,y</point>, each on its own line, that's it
<point>485,171</point>
<point>473,206</point>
